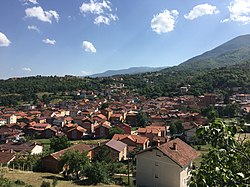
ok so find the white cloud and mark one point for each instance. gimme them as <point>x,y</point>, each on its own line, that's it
<point>104,19</point>
<point>26,69</point>
<point>85,73</point>
<point>95,7</point>
<point>40,14</point>
<point>201,10</point>
<point>33,27</point>
<point>88,47</point>
<point>4,41</point>
<point>30,1</point>
<point>49,41</point>
<point>103,10</point>
<point>239,11</point>
<point>164,21</point>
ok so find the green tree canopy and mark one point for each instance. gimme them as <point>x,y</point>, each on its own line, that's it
<point>115,130</point>
<point>74,163</point>
<point>142,119</point>
<point>59,143</point>
<point>228,161</point>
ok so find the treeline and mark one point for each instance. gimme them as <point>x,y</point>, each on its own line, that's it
<point>169,81</point>
<point>25,89</point>
<point>156,84</point>
<point>46,84</point>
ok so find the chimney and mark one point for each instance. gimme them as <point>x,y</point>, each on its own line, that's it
<point>158,142</point>
<point>175,146</point>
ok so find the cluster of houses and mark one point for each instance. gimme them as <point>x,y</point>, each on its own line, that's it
<point>167,159</point>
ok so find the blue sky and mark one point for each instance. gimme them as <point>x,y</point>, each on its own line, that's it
<point>80,37</point>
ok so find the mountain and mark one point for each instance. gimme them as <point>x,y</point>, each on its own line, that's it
<point>232,52</point>
<point>132,70</point>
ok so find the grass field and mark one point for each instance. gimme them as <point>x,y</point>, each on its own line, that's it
<point>46,142</point>
<point>36,179</point>
<point>203,150</point>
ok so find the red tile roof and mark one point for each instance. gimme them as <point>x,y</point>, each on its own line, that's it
<point>135,138</point>
<point>79,147</point>
<point>182,155</point>
<point>116,145</point>
<point>5,157</point>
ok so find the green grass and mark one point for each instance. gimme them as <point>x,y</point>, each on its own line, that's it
<point>40,94</point>
<point>90,142</point>
<point>204,149</point>
<point>36,178</point>
<point>44,142</point>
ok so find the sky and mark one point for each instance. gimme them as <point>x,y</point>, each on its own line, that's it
<point>83,37</point>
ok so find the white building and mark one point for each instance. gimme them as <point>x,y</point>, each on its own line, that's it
<point>167,165</point>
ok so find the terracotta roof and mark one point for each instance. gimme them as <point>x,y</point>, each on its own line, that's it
<point>18,146</point>
<point>135,138</point>
<point>116,145</point>
<point>79,128</point>
<point>79,147</point>
<point>182,155</point>
<point>5,157</point>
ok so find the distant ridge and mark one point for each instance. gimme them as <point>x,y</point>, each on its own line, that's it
<point>232,52</point>
<point>129,71</point>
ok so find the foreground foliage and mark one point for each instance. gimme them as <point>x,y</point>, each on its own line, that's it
<point>228,161</point>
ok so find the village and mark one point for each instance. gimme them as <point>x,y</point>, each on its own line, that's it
<point>157,137</point>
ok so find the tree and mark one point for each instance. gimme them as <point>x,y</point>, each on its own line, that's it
<point>103,155</point>
<point>45,184</point>
<point>74,163</point>
<point>115,130</point>
<point>59,143</point>
<point>104,105</point>
<point>179,126</point>
<point>142,119</point>
<point>98,172</point>
<point>173,128</point>
<point>210,113</point>
<point>228,161</point>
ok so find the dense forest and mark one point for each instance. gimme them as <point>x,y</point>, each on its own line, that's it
<point>163,83</point>
<point>169,81</point>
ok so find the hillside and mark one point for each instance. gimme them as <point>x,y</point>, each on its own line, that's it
<point>132,70</point>
<point>232,52</point>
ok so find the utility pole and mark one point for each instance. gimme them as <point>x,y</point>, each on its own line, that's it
<point>128,173</point>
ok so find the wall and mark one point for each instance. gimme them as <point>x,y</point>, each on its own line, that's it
<point>153,169</point>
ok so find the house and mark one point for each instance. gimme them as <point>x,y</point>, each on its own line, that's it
<point>118,150</point>
<point>23,148</point>
<point>18,125</point>
<point>50,163</point>
<point>125,127</point>
<point>76,133</point>
<point>87,124</point>
<point>50,132</point>
<point>189,131</point>
<point>3,121</point>
<point>6,157</point>
<point>9,133</point>
<point>11,118</point>
<point>133,141</point>
<point>102,130</point>
<point>166,165</point>
<point>152,131</point>
<point>131,119</point>
<point>107,112</point>
<point>116,118</point>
